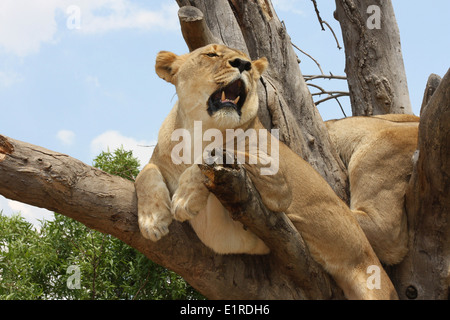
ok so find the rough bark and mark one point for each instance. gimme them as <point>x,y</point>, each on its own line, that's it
<point>107,203</point>
<point>285,101</point>
<point>374,62</point>
<point>424,273</point>
<point>432,84</point>
<point>194,29</point>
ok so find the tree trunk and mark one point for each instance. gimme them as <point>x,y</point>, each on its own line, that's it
<point>374,63</point>
<point>424,273</point>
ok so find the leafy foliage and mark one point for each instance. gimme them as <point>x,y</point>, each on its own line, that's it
<point>34,264</point>
<point>120,163</point>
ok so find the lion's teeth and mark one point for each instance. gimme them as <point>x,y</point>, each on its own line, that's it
<point>224,98</point>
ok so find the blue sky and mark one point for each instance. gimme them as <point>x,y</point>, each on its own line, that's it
<point>80,90</point>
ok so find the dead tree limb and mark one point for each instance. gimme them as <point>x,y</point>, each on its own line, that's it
<point>322,22</point>
<point>309,56</point>
<point>374,62</point>
<point>334,34</point>
<point>332,95</point>
<point>432,84</point>
<point>331,76</point>
<point>194,29</point>
<point>318,14</point>
<point>424,273</point>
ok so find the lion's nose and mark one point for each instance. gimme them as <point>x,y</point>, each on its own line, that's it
<point>242,65</point>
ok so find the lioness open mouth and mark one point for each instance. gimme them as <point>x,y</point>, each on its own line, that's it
<point>232,96</point>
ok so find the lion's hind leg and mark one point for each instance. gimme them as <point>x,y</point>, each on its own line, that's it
<point>337,242</point>
<point>388,237</point>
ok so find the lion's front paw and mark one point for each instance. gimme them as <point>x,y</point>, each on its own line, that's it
<point>187,202</point>
<point>191,195</point>
<point>154,224</point>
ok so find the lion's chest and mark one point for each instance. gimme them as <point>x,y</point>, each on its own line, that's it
<point>217,230</point>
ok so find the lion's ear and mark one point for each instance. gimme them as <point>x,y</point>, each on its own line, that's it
<point>260,65</point>
<point>167,65</point>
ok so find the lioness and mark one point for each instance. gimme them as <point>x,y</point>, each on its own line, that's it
<point>218,86</point>
<point>377,152</point>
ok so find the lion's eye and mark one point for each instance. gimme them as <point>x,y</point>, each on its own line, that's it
<point>212,54</point>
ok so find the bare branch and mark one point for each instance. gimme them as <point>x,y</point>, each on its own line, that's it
<point>323,76</point>
<point>343,93</point>
<point>334,35</point>
<point>326,23</point>
<point>318,14</point>
<point>316,86</point>
<point>308,55</point>
<point>323,91</point>
<point>331,97</point>
<point>340,106</point>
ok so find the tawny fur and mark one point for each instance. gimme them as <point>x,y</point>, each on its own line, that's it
<point>377,152</point>
<point>167,191</point>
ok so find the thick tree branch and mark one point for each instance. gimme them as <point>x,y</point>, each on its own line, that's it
<point>193,26</point>
<point>107,203</point>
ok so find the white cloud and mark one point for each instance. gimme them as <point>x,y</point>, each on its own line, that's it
<point>113,140</point>
<point>93,80</point>
<point>8,79</point>
<point>121,14</point>
<point>30,213</point>
<point>27,24</point>
<point>289,6</point>
<point>66,137</point>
